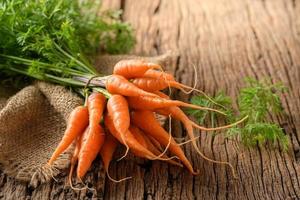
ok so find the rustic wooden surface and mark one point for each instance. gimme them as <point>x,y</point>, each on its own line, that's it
<point>227,40</point>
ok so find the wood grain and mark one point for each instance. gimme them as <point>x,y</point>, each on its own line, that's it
<point>227,40</point>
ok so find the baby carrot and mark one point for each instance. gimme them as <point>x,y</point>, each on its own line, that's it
<point>117,108</point>
<point>95,137</point>
<point>129,139</point>
<point>116,84</point>
<point>78,121</point>
<point>142,138</point>
<point>133,68</point>
<point>153,103</point>
<point>90,146</point>
<point>147,122</point>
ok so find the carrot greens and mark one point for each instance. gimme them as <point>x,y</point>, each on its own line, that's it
<point>257,100</point>
<point>54,40</point>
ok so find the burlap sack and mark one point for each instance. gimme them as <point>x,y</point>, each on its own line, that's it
<point>33,120</point>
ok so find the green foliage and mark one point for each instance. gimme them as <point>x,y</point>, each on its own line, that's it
<point>259,97</point>
<point>260,132</point>
<point>54,35</point>
<point>202,115</point>
<point>256,100</point>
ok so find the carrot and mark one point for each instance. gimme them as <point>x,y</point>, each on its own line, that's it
<point>133,68</point>
<point>107,150</point>
<point>146,142</point>
<point>158,75</point>
<point>77,122</point>
<point>137,133</point>
<point>152,84</point>
<point>153,103</point>
<point>155,142</point>
<point>95,137</point>
<point>116,84</point>
<point>178,114</point>
<point>91,144</point>
<point>117,108</point>
<point>147,122</point>
<point>106,153</point>
<point>96,103</point>
<point>130,140</point>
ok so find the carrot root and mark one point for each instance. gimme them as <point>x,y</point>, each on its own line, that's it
<point>117,181</point>
<point>220,127</point>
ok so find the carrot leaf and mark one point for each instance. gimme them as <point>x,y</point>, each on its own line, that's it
<point>258,100</point>
<point>202,115</point>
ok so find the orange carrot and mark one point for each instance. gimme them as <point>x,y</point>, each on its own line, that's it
<point>133,68</point>
<point>95,136</point>
<point>129,139</point>
<point>155,143</point>
<point>178,114</point>
<point>96,104</point>
<point>106,153</point>
<point>137,133</point>
<point>152,84</point>
<point>78,121</point>
<point>117,108</point>
<point>107,150</point>
<point>158,75</point>
<point>145,141</point>
<point>91,144</point>
<point>147,122</point>
<point>116,84</point>
<point>153,103</point>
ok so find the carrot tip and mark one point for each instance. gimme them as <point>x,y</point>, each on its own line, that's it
<point>127,150</point>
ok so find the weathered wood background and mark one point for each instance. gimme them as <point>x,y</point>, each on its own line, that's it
<point>227,40</point>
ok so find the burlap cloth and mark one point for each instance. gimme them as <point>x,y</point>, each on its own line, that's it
<point>33,120</point>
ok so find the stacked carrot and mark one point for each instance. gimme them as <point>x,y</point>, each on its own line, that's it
<point>128,117</point>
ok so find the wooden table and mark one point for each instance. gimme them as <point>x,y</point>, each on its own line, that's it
<point>227,40</point>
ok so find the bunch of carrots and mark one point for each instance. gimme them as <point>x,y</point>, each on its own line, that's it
<point>126,114</point>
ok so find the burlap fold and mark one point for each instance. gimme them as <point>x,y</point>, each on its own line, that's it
<point>33,120</point>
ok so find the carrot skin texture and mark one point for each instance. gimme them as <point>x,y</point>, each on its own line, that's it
<point>78,121</point>
<point>151,84</point>
<point>146,121</point>
<point>178,114</point>
<point>107,150</point>
<point>133,68</point>
<point>116,84</point>
<point>158,75</point>
<point>154,103</point>
<point>117,108</point>
<point>96,105</point>
<point>132,143</point>
<point>90,147</point>
<point>95,136</point>
<point>142,138</point>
